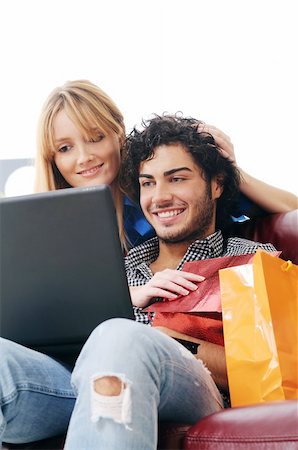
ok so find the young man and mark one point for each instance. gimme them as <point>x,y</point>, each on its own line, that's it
<point>128,375</point>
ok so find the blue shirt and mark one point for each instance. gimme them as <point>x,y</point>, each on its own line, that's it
<point>137,229</point>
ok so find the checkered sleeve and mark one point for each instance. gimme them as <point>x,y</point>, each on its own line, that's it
<point>141,316</point>
<point>239,246</point>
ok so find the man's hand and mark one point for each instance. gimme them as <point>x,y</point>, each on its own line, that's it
<point>168,283</point>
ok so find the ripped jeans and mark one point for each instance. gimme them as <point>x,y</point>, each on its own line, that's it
<point>153,377</point>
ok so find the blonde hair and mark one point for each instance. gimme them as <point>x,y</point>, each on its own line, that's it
<point>85,104</point>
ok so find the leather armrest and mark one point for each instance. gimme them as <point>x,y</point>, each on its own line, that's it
<point>268,426</point>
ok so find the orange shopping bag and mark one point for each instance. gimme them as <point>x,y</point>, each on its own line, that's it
<point>260,324</point>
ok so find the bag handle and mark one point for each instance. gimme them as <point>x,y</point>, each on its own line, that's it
<point>286,266</point>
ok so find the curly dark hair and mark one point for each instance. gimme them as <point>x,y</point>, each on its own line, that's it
<point>172,129</point>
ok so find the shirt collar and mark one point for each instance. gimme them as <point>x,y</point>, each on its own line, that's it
<point>140,257</point>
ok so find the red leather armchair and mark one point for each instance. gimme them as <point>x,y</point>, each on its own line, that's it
<point>269,426</point>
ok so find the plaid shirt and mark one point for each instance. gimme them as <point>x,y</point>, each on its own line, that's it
<point>138,259</point>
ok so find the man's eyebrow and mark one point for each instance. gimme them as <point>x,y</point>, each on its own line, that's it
<point>145,175</point>
<point>176,169</point>
<point>167,173</point>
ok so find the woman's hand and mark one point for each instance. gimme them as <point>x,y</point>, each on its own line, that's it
<point>222,140</point>
<point>168,283</point>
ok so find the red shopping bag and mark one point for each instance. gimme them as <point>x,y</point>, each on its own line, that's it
<point>206,298</point>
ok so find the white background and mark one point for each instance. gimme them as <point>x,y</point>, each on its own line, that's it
<point>231,63</point>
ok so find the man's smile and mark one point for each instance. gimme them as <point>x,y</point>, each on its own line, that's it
<point>170,213</point>
<point>168,216</point>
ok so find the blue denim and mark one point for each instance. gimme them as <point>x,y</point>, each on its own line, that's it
<point>36,397</point>
<point>163,381</point>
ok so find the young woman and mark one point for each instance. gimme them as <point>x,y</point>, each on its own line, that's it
<point>80,136</point>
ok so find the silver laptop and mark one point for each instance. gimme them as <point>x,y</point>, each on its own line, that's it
<point>62,268</point>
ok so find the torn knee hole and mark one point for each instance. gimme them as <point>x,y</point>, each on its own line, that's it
<point>108,385</point>
<point>111,398</point>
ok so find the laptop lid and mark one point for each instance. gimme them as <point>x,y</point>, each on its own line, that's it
<point>62,267</point>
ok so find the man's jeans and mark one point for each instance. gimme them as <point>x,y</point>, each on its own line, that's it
<point>160,379</point>
<point>36,397</point>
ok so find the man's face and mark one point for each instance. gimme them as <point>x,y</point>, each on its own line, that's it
<point>174,197</point>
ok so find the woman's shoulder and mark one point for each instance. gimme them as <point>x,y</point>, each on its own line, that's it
<point>137,228</point>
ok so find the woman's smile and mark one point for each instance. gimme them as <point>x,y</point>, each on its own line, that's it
<point>91,172</point>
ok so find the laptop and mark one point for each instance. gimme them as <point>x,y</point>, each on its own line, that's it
<point>62,268</point>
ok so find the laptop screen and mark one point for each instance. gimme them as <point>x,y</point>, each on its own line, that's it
<point>62,266</point>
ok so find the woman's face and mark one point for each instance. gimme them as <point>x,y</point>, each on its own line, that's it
<point>85,163</point>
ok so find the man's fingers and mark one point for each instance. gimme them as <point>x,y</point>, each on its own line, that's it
<point>170,286</point>
<point>158,292</point>
<point>179,286</point>
<point>171,283</point>
<point>191,276</point>
<point>176,280</point>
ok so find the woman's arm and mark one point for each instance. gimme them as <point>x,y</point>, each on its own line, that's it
<point>269,198</point>
<point>266,196</point>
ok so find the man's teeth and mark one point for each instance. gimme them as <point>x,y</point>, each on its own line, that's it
<point>169,213</point>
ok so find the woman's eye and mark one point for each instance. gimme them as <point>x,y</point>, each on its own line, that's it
<point>177,179</point>
<point>99,137</point>
<point>64,148</point>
